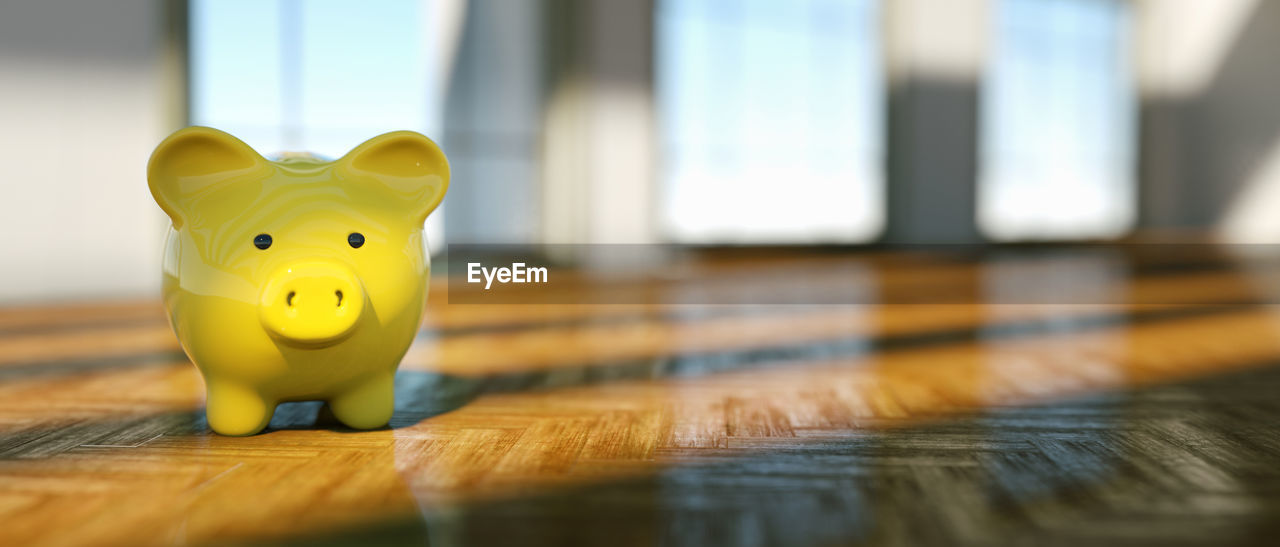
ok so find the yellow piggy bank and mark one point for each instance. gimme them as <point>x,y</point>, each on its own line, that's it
<point>297,279</point>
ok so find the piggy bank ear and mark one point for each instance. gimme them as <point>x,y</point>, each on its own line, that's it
<point>408,164</point>
<point>193,163</point>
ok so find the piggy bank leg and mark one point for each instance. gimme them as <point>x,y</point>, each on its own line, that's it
<point>236,411</point>
<point>367,405</point>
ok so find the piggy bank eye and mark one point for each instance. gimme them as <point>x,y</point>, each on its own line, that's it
<point>356,239</point>
<point>262,241</point>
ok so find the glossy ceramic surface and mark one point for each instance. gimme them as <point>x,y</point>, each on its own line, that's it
<point>298,279</point>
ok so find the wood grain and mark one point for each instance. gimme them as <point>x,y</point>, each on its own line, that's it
<point>636,424</point>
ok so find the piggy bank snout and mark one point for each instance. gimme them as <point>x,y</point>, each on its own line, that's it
<point>311,303</point>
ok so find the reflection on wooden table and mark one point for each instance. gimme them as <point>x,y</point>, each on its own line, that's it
<point>952,422</point>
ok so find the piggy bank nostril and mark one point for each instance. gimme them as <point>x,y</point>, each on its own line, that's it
<point>311,304</point>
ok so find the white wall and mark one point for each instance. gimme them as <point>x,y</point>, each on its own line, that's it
<point>598,130</point>
<point>1211,117</point>
<point>934,54</point>
<point>88,90</point>
<point>491,123</point>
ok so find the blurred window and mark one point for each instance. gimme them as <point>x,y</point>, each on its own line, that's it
<point>1058,122</point>
<point>770,120</point>
<point>319,76</point>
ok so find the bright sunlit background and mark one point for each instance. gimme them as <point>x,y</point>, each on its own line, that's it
<point>1058,122</point>
<point>319,76</point>
<point>770,118</point>
<point>648,121</point>
<point>312,75</point>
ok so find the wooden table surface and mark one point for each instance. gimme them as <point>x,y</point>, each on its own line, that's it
<point>1152,420</point>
